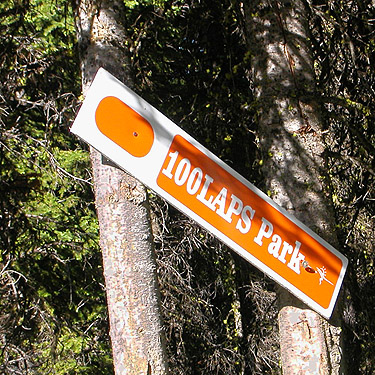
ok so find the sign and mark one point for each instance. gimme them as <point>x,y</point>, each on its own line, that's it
<point>142,141</point>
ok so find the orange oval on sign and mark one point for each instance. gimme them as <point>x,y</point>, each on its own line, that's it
<point>124,126</point>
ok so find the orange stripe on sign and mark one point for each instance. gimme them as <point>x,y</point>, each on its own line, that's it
<point>219,198</point>
<point>124,126</point>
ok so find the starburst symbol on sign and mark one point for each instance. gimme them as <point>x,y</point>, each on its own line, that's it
<point>323,272</point>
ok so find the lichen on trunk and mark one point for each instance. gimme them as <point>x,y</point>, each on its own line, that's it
<point>123,212</point>
<point>292,143</point>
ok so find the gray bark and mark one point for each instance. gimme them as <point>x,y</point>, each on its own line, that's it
<point>123,212</point>
<point>292,142</point>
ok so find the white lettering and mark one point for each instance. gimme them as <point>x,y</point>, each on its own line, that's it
<point>182,172</point>
<point>274,246</point>
<point>286,249</point>
<point>296,259</point>
<point>202,195</point>
<point>220,201</point>
<point>194,181</point>
<point>172,162</point>
<point>235,208</point>
<point>265,230</point>
<point>247,215</point>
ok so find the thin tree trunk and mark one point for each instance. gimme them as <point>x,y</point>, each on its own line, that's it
<point>292,143</point>
<point>123,213</point>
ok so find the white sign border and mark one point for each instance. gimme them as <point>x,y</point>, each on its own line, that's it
<point>165,130</point>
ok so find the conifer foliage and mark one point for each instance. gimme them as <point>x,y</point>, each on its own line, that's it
<point>190,60</point>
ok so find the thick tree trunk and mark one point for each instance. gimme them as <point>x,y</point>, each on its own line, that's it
<point>123,213</point>
<point>292,144</point>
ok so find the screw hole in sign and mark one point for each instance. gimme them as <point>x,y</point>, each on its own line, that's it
<point>124,126</point>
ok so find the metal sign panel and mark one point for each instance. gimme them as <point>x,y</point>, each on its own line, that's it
<point>142,141</point>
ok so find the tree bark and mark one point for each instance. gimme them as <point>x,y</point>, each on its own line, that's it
<point>123,212</point>
<point>291,139</point>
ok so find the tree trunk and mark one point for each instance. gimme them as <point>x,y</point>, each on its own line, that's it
<point>123,213</point>
<point>292,143</point>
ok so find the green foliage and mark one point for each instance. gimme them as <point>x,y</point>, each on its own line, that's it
<point>52,304</point>
<point>189,59</point>
<point>191,62</point>
<point>52,21</point>
<point>193,66</point>
<point>344,55</point>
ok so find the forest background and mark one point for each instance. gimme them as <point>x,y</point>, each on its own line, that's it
<point>190,60</point>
